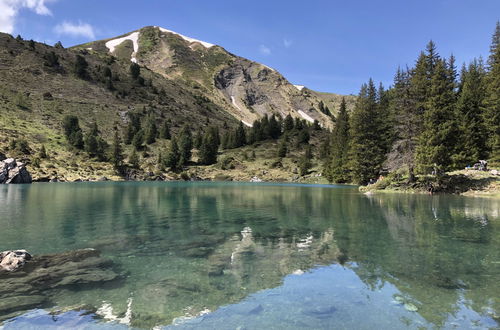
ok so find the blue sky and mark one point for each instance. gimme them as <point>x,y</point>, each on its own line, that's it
<point>331,46</point>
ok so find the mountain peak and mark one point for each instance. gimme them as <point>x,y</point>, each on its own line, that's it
<point>188,39</point>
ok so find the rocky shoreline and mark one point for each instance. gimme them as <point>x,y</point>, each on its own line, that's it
<point>13,172</point>
<point>465,182</point>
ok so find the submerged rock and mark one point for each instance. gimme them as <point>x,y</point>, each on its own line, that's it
<point>411,307</point>
<point>320,312</point>
<point>13,260</point>
<point>36,278</point>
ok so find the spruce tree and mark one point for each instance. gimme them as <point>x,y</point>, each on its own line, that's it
<point>138,140</point>
<point>117,153</point>
<point>274,128</point>
<point>437,142</point>
<point>265,127</point>
<point>257,130</point>
<point>240,136</point>
<point>209,147</point>
<point>133,126</point>
<point>185,145</point>
<point>492,109</point>
<point>173,155</point>
<point>151,130</point>
<point>366,153</point>
<point>73,132</point>
<point>198,139</point>
<point>305,161</point>
<point>288,123</point>
<point>90,140</point>
<point>337,168</point>
<point>298,124</point>
<point>303,136</point>
<point>471,140</point>
<point>160,163</point>
<point>324,151</point>
<point>385,118</point>
<point>70,125</point>
<point>165,131</point>
<point>282,149</point>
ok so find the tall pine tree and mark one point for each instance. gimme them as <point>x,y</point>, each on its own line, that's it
<point>437,142</point>
<point>336,168</point>
<point>472,136</point>
<point>492,109</point>
<point>366,153</point>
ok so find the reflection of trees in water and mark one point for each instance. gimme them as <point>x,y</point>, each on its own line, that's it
<point>444,251</point>
<point>436,250</point>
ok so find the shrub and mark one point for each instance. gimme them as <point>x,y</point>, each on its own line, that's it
<point>80,67</point>
<point>20,145</point>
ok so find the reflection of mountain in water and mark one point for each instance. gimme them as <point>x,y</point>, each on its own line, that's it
<point>190,248</point>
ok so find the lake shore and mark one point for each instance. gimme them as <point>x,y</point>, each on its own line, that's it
<point>464,182</point>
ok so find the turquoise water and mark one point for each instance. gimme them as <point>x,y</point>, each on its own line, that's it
<point>262,256</point>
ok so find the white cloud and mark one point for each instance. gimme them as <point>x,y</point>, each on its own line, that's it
<point>287,43</point>
<point>264,50</point>
<point>9,10</point>
<point>75,30</point>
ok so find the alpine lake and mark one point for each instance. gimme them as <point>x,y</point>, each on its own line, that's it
<point>214,255</point>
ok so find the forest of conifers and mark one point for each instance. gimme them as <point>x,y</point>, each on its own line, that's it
<point>434,118</point>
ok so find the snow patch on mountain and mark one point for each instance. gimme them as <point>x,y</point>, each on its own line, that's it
<point>306,116</point>
<point>299,87</point>
<point>233,101</point>
<point>188,39</point>
<point>268,67</point>
<point>134,37</point>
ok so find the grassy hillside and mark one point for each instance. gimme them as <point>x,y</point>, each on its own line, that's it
<point>40,86</point>
<point>332,100</point>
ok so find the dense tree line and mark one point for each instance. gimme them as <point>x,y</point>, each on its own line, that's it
<point>431,120</point>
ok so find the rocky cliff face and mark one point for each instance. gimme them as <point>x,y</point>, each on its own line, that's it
<point>256,90</point>
<point>12,171</point>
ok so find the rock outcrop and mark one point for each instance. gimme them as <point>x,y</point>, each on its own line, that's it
<point>35,279</point>
<point>12,171</point>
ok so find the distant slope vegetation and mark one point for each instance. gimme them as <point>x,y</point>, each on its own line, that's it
<point>247,90</point>
<point>40,85</point>
<point>178,81</point>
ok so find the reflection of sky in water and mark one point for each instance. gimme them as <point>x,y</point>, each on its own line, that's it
<point>331,297</point>
<point>192,248</point>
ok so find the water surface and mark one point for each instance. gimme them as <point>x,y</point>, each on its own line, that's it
<point>255,256</point>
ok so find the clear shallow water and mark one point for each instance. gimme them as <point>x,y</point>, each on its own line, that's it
<point>254,256</point>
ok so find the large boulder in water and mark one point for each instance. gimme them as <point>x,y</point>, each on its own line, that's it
<point>12,171</point>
